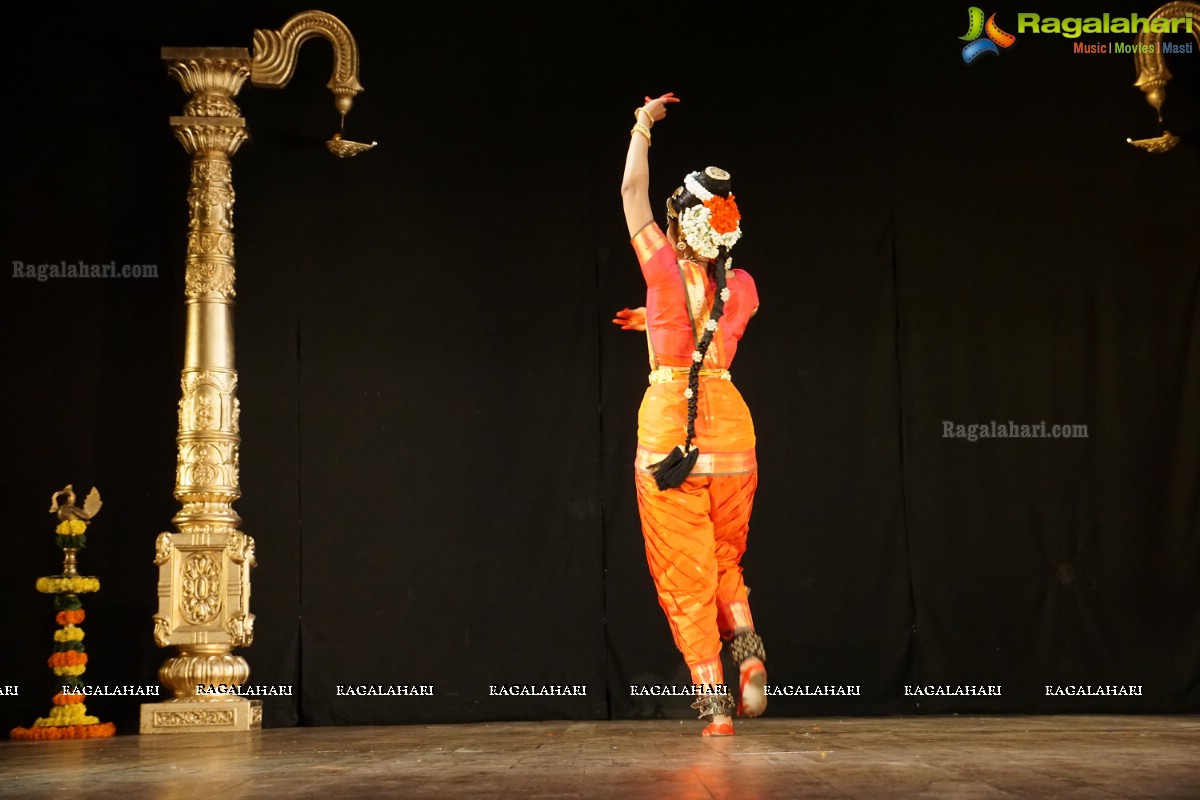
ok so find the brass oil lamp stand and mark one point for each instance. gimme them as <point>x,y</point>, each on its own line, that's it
<point>1152,72</point>
<point>204,565</point>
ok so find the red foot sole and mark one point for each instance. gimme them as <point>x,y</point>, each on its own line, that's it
<point>752,697</point>
<point>713,729</point>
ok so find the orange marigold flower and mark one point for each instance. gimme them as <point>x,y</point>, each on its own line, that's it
<point>102,730</point>
<point>68,658</point>
<point>69,617</point>
<point>61,699</point>
<point>724,213</point>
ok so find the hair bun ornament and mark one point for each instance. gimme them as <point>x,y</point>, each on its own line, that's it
<point>672,203</point>
<point>696,189</point>
<point>716,221</point>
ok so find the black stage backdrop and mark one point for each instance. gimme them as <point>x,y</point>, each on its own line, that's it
<point>438,417</point>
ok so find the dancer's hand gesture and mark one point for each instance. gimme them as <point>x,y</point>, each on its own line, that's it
<point>631,319</point>
<point>656,108</point>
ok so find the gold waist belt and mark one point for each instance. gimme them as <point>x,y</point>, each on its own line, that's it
<point>668,374</point>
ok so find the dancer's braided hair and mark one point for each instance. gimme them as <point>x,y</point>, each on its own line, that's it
<point>673,470</point>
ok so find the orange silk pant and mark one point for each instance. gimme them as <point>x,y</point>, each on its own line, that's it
<point>695,537</point>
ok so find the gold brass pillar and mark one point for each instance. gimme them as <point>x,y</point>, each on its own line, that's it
<point>204,566</point>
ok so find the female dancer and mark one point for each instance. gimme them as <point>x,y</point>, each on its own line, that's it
<point>695,468</point>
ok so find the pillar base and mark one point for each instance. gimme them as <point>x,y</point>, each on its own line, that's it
<point>201,716</point>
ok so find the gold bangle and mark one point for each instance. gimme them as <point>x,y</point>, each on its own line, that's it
<point>642,110</point>
<point>643,130</point>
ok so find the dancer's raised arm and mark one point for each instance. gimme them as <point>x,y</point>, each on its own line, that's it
<point>635,185</point>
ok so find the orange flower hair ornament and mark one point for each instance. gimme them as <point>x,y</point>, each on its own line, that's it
<point>715,222</point>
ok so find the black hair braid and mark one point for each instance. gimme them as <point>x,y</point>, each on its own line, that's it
<point>718,308</point>
<point>673,470</point>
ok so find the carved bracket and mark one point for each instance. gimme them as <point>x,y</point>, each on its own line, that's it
<point>275,54</point>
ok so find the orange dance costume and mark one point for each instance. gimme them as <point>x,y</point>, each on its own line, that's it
<point>695,533</point>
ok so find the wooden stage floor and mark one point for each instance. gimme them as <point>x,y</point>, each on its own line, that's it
<point>877,757</point>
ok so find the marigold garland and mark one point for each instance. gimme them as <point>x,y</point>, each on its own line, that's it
<point>73,671</point>
<point>70,533</point>
<point>69,617</point>
<point>103,730</point>
<point>68,717</point>
<point>69,633</point>
<point>67,698</point>
<point>58,585</point>
<point>67,658</point>
<point>71,527</point>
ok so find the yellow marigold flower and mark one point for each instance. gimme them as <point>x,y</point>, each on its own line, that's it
<point>70,671</point>
<point>66,715</point>
<point>71,527</point>
<point>69,634</point>
<point>55,585</point>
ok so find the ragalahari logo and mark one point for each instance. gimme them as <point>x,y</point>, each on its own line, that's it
<point>976,27</point>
